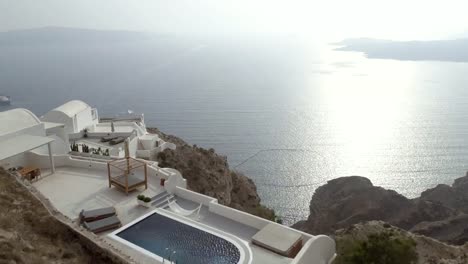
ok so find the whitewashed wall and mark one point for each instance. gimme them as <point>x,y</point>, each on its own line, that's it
<point>194,196</point>
<point>84,119</point>
<point>319,249</point>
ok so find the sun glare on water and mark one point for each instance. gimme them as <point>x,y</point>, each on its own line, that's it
<point>365,113</point>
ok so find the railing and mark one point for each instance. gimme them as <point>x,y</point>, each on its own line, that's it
<point>126,118</point>
<point>169,256</point>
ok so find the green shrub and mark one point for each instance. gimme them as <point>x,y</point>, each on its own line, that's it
<point>278,220</point>
<point>140,197</point>
<point>146,199</point>
<point>379,248</point>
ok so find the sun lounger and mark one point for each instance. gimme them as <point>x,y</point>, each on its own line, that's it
<point>116,141</point>
<point>108,138</point>
<point>279,239</point>
<point>103,224</point>
<point>93,215</point>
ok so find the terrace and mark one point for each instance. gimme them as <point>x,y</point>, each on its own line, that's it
<point>79,180</point>
<point>71,189</point>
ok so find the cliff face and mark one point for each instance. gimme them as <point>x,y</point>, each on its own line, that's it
<point>208,173</point>
<point>440,212</point>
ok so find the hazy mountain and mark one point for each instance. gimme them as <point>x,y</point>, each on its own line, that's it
<point>62,35</point>
<point>436,50</point>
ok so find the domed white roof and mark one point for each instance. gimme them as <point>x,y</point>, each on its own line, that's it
<point>72,108</point>
<point>17,119</point>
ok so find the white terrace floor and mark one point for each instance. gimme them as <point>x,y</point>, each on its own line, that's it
<point>72,189</point>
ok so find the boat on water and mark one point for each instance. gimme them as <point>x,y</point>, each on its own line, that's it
<point>5,100</point>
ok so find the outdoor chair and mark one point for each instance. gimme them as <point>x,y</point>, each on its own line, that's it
<point>96,214</point>
<point>103,224</point>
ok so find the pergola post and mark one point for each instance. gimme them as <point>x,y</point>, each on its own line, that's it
<point>109,174</point>
<point>126,166</point>
<point>51,157</point>
<point>146,177</point>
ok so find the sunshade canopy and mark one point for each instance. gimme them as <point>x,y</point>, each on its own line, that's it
<point>20,144</point>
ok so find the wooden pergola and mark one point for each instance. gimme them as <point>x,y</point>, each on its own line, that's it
<point>124,179</point>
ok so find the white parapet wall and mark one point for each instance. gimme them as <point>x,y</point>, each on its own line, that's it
<point>42,161</point>
<point>319,249</point>
<point>174,180</point>
<point>194,196</point>
<point>166,145</point>
<point>238,216</point>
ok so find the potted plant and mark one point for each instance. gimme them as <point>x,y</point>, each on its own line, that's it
<point>74,149</point>
<point>85,150</point>
<point>144,201</point>
<point>95,153</point>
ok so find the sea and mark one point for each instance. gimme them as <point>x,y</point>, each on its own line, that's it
<point>289,113</point>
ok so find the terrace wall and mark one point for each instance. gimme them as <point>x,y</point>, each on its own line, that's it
<point>194,196</point>
<point>319,249</point>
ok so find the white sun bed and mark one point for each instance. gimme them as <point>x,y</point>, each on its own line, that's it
<point>278,239</point>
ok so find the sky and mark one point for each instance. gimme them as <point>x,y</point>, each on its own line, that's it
<point>328,19</point>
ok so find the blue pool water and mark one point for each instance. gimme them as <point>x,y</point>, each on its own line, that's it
<point>193,246</point>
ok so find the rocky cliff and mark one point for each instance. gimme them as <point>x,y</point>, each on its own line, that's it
<point>440,212</point>
<point>208,173</point>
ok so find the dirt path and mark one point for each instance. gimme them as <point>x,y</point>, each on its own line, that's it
<point>29,234</point>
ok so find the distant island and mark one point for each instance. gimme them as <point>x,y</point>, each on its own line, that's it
<point>72,36</point>
<point>434,50</point>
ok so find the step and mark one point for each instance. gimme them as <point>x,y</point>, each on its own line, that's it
<point>166,205</point>
<point>169,199</point>
<point>159,195</point>
<point>160,198</point>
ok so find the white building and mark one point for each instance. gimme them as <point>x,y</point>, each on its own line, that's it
<point>74,115</point>
<point>74,122</point>
<point>22,132</point>
<point>77,180</point>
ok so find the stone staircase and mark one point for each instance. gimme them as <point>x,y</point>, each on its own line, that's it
<point>162,200</point>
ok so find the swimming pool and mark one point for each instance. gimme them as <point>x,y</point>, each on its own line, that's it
<point>161,234</point>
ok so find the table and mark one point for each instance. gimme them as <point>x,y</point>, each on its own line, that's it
<point>30,172</point>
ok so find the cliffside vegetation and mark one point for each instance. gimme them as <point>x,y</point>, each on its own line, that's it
<point>384,248</point>
<point>381,243</point>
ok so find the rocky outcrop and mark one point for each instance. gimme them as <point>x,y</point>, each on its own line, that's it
<point>441,212</point>
<point>208,173</point>
<point>455,196</point>
<point>429,251</point>
<point>349,200</point>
